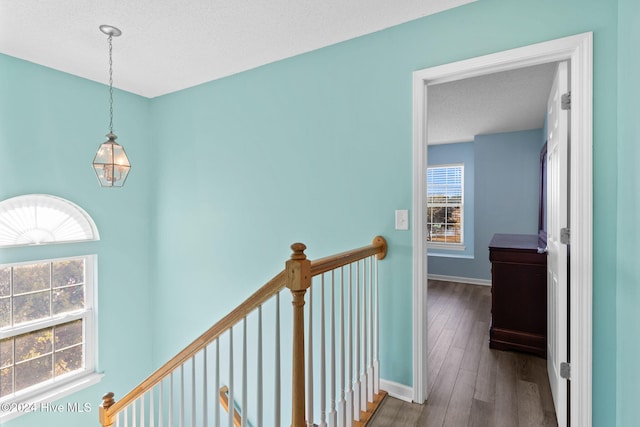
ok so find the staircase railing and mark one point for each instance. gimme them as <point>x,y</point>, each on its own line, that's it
<point>184,391</point>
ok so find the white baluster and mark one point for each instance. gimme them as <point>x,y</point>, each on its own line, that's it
<point>363,380</point>
<point>231,386</point>
<point>243,408</point>
<point>171,400</point>
<point>205,391</point>
<point>216,412</point>
<point>142,423</point>
<point>276,392</point>
<point>332,351</point>
<point>160,405</point>
<point>376,360</point>
<point>259,385</point>
<point>356,386</point>
<point>181,395</point>
<point>193,391</point>
<point>323,361</point>
<point>126,417</point>
<point>152,407</point>
<point>310,363</point>
<point>371,333</point>
<point>349,416</point>
<point>341,403</point>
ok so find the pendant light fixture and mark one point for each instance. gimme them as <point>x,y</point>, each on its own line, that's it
<point>111,163</point>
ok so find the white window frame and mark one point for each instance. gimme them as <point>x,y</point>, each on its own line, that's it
<point>32,398</point>
<point>458,246</point>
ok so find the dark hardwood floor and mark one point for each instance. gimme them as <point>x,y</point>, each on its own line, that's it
<point>470,384</point>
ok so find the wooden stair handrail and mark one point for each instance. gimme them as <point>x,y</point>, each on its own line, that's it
<point>224,401</point>
<point>109,407</point>
<point>254,301</point>
<point>377,247</point>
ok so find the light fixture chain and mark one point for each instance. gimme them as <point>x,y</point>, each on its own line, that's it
<point>110,84</point>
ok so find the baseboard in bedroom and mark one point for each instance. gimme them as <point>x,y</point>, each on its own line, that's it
<point>468,280</point>
<point>397,390</point>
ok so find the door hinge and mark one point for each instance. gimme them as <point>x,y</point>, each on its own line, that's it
<point>565,236</point>
<point>565,370</point>
<point>565,101</point>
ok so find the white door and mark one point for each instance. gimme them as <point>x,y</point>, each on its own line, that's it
<point>557,206</point>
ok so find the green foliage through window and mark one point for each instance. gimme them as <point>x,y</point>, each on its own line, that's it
<point>38,294</point>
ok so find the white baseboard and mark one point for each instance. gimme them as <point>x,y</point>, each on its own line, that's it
<point>397,390</point>
<point>468,280</point>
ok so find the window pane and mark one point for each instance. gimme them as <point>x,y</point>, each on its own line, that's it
<point>6,381</point>
<point>5,312</point>
<point>68,272</point>
<point>6,352</point>
<point>33,344</point>
<point>437,233</point>
<point>29,278</point>
<point>453,234</point>
<point>33,372</point>
<point>436,214</point>
<point>69,360</point>
<point>68,299</point>
<point>5,285</point>
<point>68,334</point>
<point>31,307</point>
<point>444,203</point>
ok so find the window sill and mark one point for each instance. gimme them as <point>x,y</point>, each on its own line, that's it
<point>450,255</point>
<point>446,246</point>
<point>38,400</point>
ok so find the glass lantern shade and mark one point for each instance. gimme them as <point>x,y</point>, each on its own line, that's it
<point>111,163</point>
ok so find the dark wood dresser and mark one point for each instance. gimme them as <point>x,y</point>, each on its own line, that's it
<point>518,294</point>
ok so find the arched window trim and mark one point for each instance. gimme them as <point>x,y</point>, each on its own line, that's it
<point>37,219</point>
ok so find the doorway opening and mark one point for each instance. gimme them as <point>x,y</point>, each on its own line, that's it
<point>576,49</point>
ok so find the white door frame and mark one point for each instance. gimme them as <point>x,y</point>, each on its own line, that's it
<point>578,49</point>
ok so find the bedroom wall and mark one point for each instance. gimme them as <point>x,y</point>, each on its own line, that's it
<point>51,125</point>
<point>506,169</point>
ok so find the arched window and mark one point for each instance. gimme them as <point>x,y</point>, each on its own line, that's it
<point>47,325</point>
<point>35,219</point>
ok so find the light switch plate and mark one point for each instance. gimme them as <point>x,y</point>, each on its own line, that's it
<point>402,219</point>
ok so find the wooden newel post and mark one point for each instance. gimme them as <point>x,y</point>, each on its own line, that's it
<point>298,281</point>
<point>105,419</point>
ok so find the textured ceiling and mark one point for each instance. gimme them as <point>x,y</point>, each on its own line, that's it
<point>168,45</point>
<point>500,102</point>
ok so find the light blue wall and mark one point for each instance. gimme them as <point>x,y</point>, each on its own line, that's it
<point>447,154</point>
<point>316,148</point>
<point>628,229</point>
<point>509,163</point>
<point>506,196</point>
<point>51,125</point>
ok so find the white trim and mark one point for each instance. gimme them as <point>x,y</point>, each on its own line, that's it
<point>397,390</point>
<point>420,349</point>
<point>450,255</point>
<point>447,246</point>
<point>30,399</point>
<point>578,49</point>
<point>467,280</point>
<point>35,402</point>
<point>42,219</point>
<point>458,246</point>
